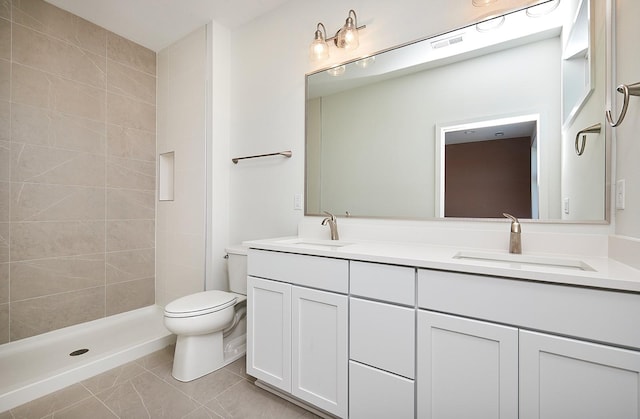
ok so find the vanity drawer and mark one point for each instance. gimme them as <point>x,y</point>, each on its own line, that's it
<point>383,336</point>
<point>309,271</point>
<point>395,284</point>
<point>586,313</point>
<point>378,394</point>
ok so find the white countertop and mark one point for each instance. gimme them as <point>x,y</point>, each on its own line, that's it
<point>606,273</point>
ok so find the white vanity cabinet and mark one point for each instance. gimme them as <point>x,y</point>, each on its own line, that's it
<point>297,335</point>
<point>479,366</point>
<point>382,341</point>
<point>362,339</point>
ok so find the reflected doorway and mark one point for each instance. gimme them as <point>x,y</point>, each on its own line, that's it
<point>489,167</point>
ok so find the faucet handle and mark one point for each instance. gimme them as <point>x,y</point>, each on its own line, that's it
<point>515,224</point>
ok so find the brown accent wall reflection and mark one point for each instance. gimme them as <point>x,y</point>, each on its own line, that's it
<point>486,178</point>
<point>77,171</point>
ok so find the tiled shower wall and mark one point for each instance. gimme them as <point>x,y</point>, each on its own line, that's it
<point>77,170</point>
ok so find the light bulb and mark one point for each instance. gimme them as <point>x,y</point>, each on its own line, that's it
<point>319,50</point>
<point>347,36</point>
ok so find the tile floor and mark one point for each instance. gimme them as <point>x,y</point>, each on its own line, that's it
<point>145,389</point>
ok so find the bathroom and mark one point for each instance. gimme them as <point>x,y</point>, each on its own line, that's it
<point>255,200</point>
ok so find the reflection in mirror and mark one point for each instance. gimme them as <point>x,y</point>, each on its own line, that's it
<point>374,133</point>
<point>487,168</point>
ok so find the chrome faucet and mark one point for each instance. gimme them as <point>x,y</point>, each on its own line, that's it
<point>333,225</point>
<point>515,239</point>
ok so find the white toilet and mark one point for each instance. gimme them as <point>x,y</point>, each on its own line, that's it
<point>210,325</point>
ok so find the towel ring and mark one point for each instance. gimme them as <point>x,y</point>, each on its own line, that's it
<point>626,90</point>
<point>593,129</point>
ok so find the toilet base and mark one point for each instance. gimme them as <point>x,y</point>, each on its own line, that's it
<point>197,355</point>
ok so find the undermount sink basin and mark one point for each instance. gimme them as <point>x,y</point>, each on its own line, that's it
<point>522,261</point>
<point>317,244</point>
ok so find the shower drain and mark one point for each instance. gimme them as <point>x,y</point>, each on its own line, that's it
<point>79,352</point>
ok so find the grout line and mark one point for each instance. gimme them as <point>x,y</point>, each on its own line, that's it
<point>141,399</point>
<point>10,169</point>
<point>106,170</point>
<point>105,405</point>
<point>53,413</point>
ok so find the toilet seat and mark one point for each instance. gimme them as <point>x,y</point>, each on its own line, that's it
<point>199,304</point>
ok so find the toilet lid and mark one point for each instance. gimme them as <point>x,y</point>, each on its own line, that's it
<point>200,303</point>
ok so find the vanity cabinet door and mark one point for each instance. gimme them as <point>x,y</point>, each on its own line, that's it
<point>319,349</point>
<point>466,368</point>
<point>269,332</point>
<point>567,378</point>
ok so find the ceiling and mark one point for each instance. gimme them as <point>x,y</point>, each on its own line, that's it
<point>492,132</point>
<point>156,24</point>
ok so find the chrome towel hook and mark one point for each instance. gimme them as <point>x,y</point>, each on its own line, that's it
<point>593,129</point>
<point>626,90</point>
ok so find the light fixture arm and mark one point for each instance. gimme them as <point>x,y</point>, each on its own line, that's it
<point>354,21</point>
<point>321,35</point>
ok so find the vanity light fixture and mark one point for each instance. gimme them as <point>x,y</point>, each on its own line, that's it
<point>319,49</point>
<point>347,37</point>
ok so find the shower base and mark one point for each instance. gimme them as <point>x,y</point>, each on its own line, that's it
<point>39,365</point>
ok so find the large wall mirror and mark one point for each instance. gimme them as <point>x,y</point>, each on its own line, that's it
<point>471,123</point>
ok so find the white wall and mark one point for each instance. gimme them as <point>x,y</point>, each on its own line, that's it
<point>219,165</point>
<point>627,139</point>
<point>268,63</point>
<point>180,225</point>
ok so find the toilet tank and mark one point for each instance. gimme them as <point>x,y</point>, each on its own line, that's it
<point>237,268</point>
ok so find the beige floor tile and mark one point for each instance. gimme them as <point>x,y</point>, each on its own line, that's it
<point>201,413</point>
<point>246,401</point>
<point>91,407</point>
<point>145,389</point>
<point>202,389</point>
<point>157,358</point>
<point>113,377</point>
<point>51,403</point>
<point>147,396</point>
<point>239,367</point>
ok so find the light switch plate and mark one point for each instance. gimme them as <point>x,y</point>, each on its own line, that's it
<point>620,194</point>
<point>297,201</point>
